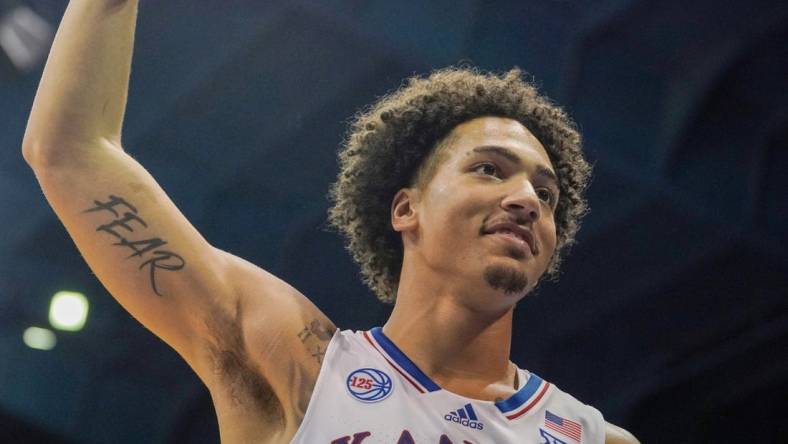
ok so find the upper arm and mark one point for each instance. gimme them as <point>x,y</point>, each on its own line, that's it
<point>247,334</point>
<point>616,435</point>
<point>139,245</point>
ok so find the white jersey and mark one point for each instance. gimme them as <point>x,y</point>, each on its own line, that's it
<point>369,392</point>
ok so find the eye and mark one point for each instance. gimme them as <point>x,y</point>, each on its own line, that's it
<point>488,169</point>
<point>546,195</point>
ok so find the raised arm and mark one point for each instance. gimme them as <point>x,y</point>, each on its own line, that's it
<point>82,94</point>
<point>229,319</point>
<point>132,236</point>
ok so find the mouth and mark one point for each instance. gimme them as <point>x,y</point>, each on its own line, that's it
<point>513,234</point>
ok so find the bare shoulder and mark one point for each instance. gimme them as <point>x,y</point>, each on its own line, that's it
<point>278,321</point>
<point>616,435</point>
<point>265,353</point>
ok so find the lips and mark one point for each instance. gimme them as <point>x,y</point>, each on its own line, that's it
<point>515,231</point>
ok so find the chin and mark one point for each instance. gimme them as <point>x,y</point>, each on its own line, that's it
<point>510,280</point>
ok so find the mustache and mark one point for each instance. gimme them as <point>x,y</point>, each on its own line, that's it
<point>519,220</point>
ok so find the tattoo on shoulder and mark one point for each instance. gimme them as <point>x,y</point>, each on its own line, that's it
<point>128,229</point>
<point>315,337</point>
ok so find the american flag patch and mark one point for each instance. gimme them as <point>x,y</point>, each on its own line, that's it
<point>563,426</point>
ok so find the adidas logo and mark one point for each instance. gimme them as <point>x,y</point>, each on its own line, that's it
<point>465,417</point>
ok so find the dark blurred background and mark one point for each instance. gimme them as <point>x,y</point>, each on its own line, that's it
<point>670,316</point>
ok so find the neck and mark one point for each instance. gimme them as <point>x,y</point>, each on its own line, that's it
<point>461,348</point>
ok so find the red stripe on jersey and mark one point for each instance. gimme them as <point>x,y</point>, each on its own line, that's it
<point>532,403</point>
<point>366,335</point>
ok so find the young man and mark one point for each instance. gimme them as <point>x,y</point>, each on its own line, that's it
<point>457,194</point>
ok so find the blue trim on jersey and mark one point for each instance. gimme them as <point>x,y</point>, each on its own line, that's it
<point>522,395</point>
<point>402,360</point>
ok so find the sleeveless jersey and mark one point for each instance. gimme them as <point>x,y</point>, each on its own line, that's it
<point>369,392</point>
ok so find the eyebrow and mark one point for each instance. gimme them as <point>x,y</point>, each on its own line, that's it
<point>509,155</point>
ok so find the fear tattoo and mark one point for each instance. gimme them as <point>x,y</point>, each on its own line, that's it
<point>128,229</point>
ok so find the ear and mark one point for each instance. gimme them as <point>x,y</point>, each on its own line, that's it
<point>403,210</point>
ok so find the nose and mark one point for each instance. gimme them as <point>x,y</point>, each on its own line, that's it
<point>523,202</point>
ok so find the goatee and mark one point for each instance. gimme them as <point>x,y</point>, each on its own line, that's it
<point>508,279</point>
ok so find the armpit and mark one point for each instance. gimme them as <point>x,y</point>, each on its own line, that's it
<point>233,372</point>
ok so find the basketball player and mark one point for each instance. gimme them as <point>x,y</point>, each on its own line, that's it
<point>457,193</point>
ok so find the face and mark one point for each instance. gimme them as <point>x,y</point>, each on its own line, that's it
<point>485,219</point>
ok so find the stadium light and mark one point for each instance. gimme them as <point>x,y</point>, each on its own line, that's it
<point>68,310</point>
<point>39,338</point>
<point>25,37</point>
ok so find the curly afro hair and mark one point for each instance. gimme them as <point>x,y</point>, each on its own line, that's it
<point>391,141</point>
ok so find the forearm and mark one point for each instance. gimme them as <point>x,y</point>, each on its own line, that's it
<point>83,90</point>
